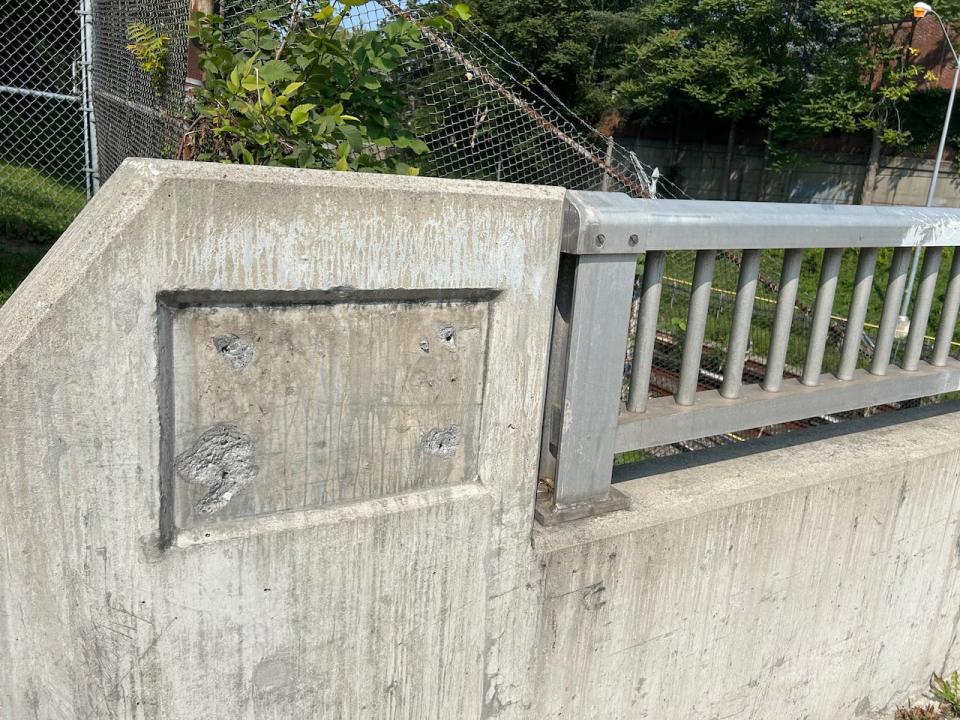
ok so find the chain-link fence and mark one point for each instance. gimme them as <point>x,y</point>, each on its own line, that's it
<point>481,113</point>
<point>47,164</point>
<point>135,118</point>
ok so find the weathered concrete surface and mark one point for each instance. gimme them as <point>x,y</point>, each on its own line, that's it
<point>268,450</point>
<point>146,370</point>
<point>819,581</point>
<point>347,400</point>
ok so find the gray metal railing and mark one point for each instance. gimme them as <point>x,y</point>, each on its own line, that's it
<point>604,235</point>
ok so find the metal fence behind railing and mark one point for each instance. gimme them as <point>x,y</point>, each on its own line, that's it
<point>606,233</point>
<point>482,114</point>
<point>136,118</point>
<point>47,137</point>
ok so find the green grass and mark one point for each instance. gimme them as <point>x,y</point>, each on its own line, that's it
<point>14,267</point>
<point>680,269</point>
<point>35,208</point>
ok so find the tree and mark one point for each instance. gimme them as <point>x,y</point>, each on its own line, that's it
<point>799,68</point>
<point>554,40</point>
<point>862,75</point>
<point>802,69</point>
<point>716,54</point>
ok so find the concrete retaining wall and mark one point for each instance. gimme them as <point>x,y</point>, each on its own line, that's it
<point>268,450</point>
<point>266,446</point>
<point>822,178</point>
<point>815,580</point>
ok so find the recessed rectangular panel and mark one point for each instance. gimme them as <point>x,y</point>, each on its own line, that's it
<point>283,406</point>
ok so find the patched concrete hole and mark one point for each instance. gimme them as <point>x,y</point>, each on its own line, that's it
<point>441,442</point>
<point>221,459</point>
<point>235,352</point>
<point>448,336</point>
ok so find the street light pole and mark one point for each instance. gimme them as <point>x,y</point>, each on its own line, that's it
<point>920,10</point>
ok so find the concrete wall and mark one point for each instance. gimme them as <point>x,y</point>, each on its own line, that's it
<point>268,450</point>
<point>266,447</point>
<point>812,581</point>
<point>824,178</point>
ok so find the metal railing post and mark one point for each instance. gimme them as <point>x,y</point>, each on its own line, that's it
<point>586,379</point>
<point>646,338</point>
<point>586,408</point>
<point>90,149</point>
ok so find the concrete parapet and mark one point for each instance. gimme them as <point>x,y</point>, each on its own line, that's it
<point>813,580</point>
<point>267,445</point>
<point>268,450</point>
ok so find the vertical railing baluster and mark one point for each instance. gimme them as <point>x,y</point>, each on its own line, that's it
<point>783,319</point>
<point>948,314</point>
<point>857,313</point>
<point>921,307</point>
<point>646,338</point>
<point>822,310</point>
<point>696,327</point>
<point>886,333</point>
<point>740,329</point>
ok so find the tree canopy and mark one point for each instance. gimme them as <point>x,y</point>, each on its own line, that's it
<point>799,68</point>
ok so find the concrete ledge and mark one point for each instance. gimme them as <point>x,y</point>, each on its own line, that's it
<point>268,444</point>
<point>811,580</point>
<point>687,485</point>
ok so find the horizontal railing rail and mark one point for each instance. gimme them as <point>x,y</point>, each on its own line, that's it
<point>604,234</point>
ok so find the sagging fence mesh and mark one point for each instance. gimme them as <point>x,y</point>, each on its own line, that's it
<point>482,115</point>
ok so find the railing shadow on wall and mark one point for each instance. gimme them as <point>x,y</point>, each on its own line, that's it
<point>593,412</point>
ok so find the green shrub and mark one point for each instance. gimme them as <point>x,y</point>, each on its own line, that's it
<point>297,88</point>
<point>149,48</point>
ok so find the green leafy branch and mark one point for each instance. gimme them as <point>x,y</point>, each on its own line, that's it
<point>150,49</point>
<point>302,88</point>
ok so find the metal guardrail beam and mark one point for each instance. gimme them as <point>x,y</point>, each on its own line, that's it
<point>603,236</point>
<point>665,422</point>
<point>631,225</point>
